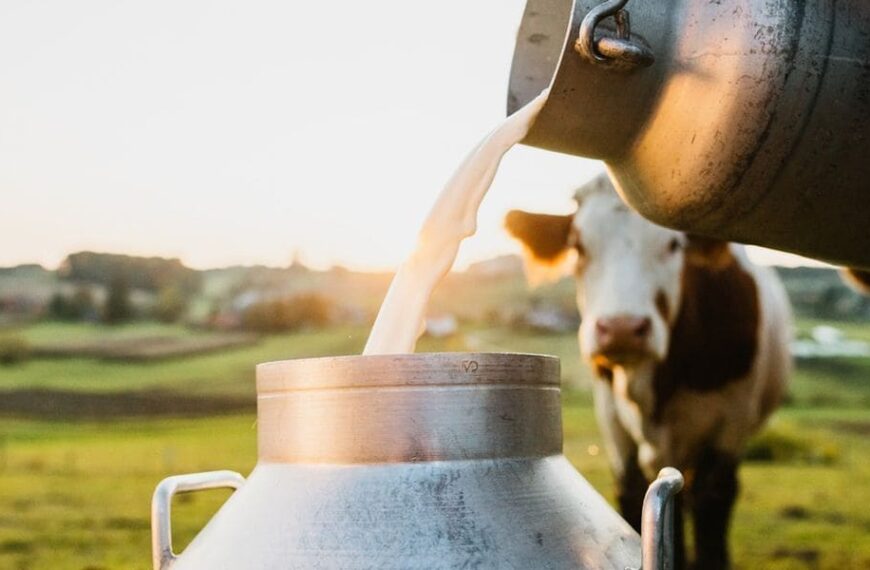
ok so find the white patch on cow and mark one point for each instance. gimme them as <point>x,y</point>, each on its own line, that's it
<point>649,459</point>
<point>624,263</point>
<point>633,401</point>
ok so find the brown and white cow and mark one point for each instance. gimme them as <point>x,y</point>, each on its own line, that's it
<point>689,342</point>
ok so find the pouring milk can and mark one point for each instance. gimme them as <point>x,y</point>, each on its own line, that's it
<point>746,120</point>
<point>449,460</point>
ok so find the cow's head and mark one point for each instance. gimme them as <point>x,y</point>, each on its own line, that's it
<point>628,271</point>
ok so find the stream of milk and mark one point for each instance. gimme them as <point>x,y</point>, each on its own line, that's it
<point>453,217</point>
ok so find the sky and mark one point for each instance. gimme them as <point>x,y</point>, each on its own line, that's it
<point>225,132</point>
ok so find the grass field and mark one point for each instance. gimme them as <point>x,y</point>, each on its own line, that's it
<point>75,494</point>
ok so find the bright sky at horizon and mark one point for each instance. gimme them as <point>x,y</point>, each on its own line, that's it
<point>249,132</point>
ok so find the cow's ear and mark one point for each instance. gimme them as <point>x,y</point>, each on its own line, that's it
<point>708,252</point>
<point>858,279</point>
<point>547,243</point>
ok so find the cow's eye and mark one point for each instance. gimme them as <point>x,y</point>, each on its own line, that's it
<point>674,245</point>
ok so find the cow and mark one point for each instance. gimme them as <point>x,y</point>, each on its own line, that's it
<point>689,345</point>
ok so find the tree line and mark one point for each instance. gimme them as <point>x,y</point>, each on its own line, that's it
<point>116,276</point>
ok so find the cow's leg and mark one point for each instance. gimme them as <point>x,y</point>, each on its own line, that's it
<point>714,491</point>
<point>630,490</point>
<point>621,450</point>
<point>679,534</point>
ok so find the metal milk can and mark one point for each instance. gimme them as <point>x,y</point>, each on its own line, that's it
<point>747,120</point>
<point>449,460</point>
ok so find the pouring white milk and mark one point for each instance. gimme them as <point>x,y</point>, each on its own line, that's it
<point>453,217</point>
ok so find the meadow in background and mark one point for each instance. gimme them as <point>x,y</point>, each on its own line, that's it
<point>117,371</point>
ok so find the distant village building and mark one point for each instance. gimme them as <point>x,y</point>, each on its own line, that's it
<point>21,306</point>
<point>442,326</point>
<point>827,342</point>
<point>549,318</point>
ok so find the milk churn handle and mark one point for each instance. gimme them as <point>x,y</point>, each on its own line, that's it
<point>657,521</point>
<point>620,52</point>
<point>161,503</point>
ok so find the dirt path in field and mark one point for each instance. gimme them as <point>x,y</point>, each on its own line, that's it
<point>76,405</point>
<point>145,349</point>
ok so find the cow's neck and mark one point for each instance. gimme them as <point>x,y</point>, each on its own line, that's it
<point>635,384</point>
<point>634,393</point>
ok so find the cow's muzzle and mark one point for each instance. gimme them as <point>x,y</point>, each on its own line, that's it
<point>622,339</point>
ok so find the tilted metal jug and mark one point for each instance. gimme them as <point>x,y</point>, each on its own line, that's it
<point>747,120</point>
<point>450,460</point>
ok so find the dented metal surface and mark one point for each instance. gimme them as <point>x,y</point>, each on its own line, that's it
<point>751,125</point>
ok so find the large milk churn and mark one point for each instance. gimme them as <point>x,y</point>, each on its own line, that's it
<point>745,119</point>
<point>449,460</point>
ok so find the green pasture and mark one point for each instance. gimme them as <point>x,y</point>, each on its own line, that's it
<point>223,373</point>
<point>75,495</point>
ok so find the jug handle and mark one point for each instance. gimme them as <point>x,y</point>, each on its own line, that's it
<point>657,521</point>
<point>161,504</point>
<point>621,52</point>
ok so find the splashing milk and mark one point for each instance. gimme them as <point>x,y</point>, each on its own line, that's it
<point>400,320</point>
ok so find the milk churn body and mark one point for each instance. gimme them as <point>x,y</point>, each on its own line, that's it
<point>750,121</point>
<point>412,461</point>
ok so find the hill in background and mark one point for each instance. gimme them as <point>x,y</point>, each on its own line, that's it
<point>493,291</point>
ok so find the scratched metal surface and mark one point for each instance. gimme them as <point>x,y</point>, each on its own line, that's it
<point>418,461</point>
<point>431,407</point>
<point>516,513</point>
<point>751,125</point>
